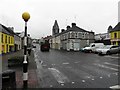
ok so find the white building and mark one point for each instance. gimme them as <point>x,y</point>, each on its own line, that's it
<point>74,38</point>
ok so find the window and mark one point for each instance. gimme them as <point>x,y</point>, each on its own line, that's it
<point>76,35</point>
<point>114,47</point>
<point>6,39</point>
<point>115,35</point>
<point>114,43</point>
<point>83,35</point>
<point>72,35</point>
<point>2,38</point>
<point>93,45</point>
<point>9,39</point>
<point>68,35</point>
<point>80,35</point>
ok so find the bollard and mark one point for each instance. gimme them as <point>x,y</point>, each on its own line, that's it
<point>8,79</point>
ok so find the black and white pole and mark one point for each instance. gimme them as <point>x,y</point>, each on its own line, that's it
<point>25,62</point>
<point>26,17</point>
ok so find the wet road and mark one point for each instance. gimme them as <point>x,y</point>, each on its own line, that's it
<point>62,69</point>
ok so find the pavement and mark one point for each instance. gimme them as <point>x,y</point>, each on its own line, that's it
<point>32,68</point>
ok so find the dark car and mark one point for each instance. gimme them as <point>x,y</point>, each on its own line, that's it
<point>45,47</point>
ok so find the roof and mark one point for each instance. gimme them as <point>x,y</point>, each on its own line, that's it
<point>7,30</point>
<point>116,28</point>
<point>74,28</point>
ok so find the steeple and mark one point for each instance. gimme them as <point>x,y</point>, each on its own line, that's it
<point>109,29</point>
<point>55,29</point>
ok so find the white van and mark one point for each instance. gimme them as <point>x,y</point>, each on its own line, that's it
<point>93,46</point>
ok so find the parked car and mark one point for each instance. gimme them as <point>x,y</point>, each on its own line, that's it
<point>92,47</point>
<point>97,50</point>
<point>109,49</point>
<point>45,46</point>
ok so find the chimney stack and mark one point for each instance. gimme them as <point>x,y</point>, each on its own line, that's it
<point>68,27</point>
<point>73,24</point>
<point>62,30</point>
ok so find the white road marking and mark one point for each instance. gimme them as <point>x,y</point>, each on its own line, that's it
<point>115,73</point>
<point>88,77</point>
<point>51,85</point>
<point>109,75</point>
<point>58,76</point>
<point>77,62</point>
<point>41,62</point>
<point>62,84</point>
<point>115,87</point>
<point>83,80</point>
<point>101,77</point>
<point>112,57</point>
<point>44,65</point>
<point>73,82</point>
<point>35,55</point>
<point>112,64</point>
<point>103,66</point>
<point>65,63</point>
<point>53,64</point>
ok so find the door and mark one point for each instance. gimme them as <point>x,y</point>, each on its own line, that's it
<point>76,46</point>
<point>114,49</point>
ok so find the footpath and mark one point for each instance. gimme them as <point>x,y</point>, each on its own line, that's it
<point>32,68</point>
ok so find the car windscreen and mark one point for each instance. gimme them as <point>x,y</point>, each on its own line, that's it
<point>106,47</point>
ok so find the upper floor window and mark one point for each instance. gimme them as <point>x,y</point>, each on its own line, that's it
<point>9,40</point>
<point>68,35</point>
<point>83,35</point>
<point>2,38</point>
<point>76,35</point>
<point>72,35</point>
<point>6,39</point>
<point>115,35</point>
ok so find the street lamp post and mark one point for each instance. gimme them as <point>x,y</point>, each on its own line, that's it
<point>26,17</point>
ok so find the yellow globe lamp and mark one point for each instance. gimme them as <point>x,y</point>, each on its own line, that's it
<point>26,16</point>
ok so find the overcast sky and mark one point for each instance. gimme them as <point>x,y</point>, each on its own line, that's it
<point>95,15</point>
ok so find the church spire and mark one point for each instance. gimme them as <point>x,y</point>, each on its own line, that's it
<point>55,29</point>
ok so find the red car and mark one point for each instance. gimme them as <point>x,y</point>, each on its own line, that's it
<point>45,47</point>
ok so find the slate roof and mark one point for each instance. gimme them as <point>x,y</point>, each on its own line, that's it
<point>116,28</point>
<point>74,28</point>
<point>7,30</point>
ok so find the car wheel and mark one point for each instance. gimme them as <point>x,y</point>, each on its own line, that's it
<point>108,53</point>
<point>90,51</point>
